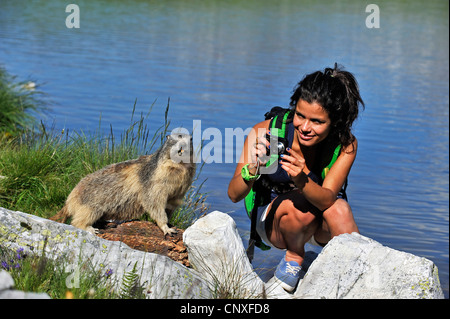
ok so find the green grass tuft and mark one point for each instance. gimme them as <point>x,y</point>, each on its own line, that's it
<point>18,101</point>
<point>40,167</point>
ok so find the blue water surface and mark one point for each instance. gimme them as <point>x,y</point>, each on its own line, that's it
<point>225,63</point>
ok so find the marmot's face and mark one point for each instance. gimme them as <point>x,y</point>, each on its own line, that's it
<point>181,150</point>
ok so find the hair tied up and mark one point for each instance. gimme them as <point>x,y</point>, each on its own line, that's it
<point>332,72</point>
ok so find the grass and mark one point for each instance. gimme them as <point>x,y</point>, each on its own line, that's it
<point>39,274</point>
<point>63,280</point>
<point>18,101</point>
<point>226,278</point>
<point>40,167</point>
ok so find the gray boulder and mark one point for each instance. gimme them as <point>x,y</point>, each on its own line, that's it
<point>216,251</point>
<point>160,276</point>
<point>350,266</point>
<point>354,266</point>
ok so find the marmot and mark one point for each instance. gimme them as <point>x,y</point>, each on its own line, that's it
<point>154,184</point>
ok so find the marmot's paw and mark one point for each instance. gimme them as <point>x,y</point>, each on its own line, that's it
<point>171,232</point>
<point>92,230</point>
<point>166,230</point>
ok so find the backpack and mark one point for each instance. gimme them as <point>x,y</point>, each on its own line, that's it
<point>259,195</point>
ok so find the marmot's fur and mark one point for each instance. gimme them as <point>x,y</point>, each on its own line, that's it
<point>154,184</point>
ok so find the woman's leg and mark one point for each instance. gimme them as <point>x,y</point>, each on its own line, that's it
<point>296,220</point>
<point>292,221</point>
<point>338,219</point>
<point>289,225</point>
<point>292,224</point>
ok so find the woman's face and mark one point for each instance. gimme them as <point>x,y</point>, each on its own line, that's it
<point>311,122</point>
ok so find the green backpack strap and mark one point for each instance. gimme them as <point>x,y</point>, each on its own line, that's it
<point>278,129</point>
<point>278,125</point>
<point>249,202</point>
<point>254,198</point>
<point>327,168</point>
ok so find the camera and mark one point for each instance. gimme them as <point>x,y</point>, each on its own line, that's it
<point>278,145</point>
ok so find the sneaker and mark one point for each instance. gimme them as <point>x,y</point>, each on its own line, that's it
<point>288,274</point>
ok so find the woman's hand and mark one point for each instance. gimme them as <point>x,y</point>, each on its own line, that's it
<point>253,154</point>
<point>258,151</point>
<point>294,165</point>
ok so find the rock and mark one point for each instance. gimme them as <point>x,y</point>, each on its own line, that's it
<point>7,291</point>
<point>350,265</point>
<point>6,281</point>
<point>146,236</point>
<point>354,266</point>
<point>216,251</point>
<point>159,275</point>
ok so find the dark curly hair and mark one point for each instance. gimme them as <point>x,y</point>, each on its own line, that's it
<point>337,92</point>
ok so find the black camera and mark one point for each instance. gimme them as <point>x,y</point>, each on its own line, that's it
<point>278,145</point>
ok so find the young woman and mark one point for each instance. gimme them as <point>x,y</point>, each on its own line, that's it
<point>311,205</point>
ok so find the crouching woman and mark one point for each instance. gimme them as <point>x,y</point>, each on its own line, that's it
<point>305,195</point>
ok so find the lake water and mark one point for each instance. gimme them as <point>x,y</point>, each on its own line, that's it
<point>225,63</point>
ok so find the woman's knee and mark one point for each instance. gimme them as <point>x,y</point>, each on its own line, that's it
<point>292,217</point>
<point>291,226</point>
<point>296,225</point>
<point>339,218</point>
<point>340,210</point>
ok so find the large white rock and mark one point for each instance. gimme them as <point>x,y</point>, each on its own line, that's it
<point>354,266</point>
<point>350,266</point>
<point>216,251</point>
<point>159,275</point>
